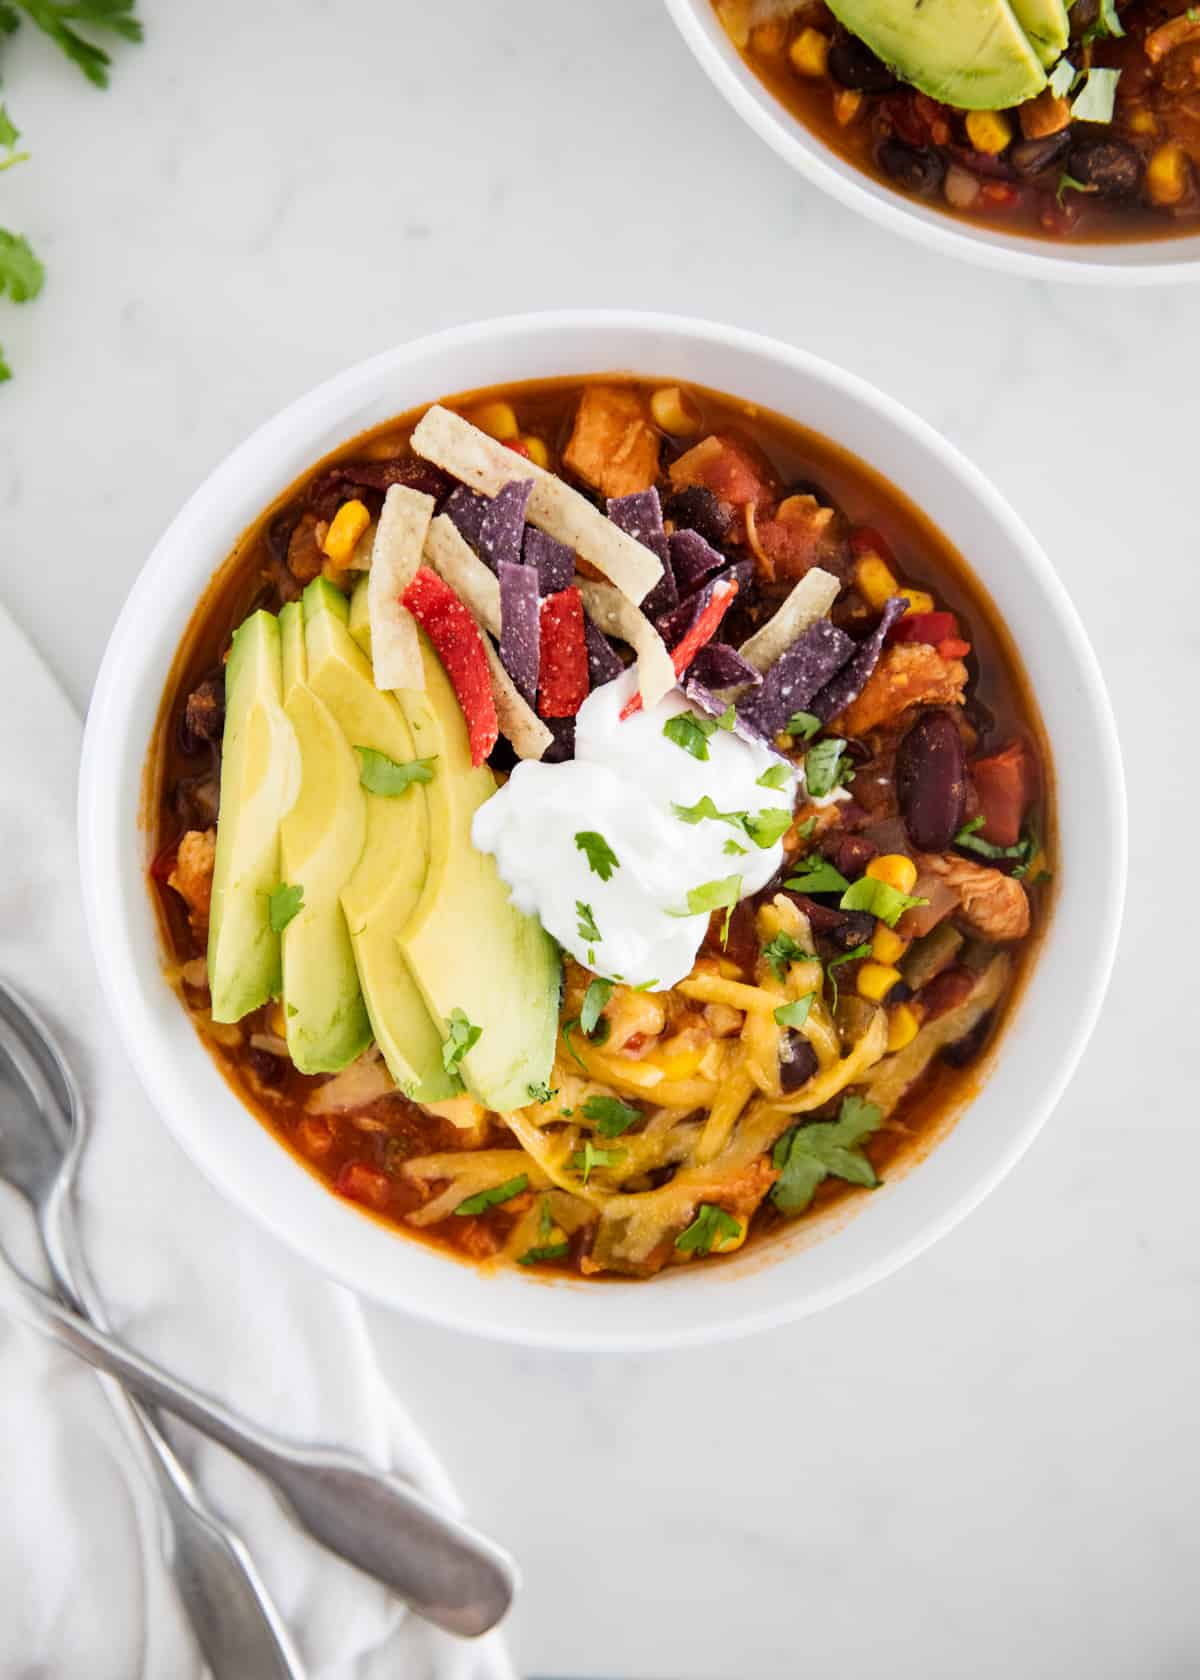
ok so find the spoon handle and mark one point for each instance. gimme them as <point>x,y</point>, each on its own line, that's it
<point>443,1569</point>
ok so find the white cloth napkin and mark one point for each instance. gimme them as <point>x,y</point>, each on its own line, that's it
<point>186,1279</point>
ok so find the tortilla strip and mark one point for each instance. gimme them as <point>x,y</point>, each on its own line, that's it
<point>810,600</point>
<point>456,446</point>
<point>453,558</point>
<point>616,615</point>
<point>395,556</point>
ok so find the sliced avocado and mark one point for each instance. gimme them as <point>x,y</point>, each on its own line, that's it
<point>969,53</point>
<point>321,841</point>
<point>259,778</point>
<point>360,622</point>
<point>467,945</point>
<point>383,890</point>
<point>1046,24</point>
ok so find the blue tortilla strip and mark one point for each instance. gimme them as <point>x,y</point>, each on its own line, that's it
<point>553,561</point>
<point>673,626</point>
<point>503,528</point>
<point>715,706</point>
<point>717,665</point>
<point>604,662</point>
<point>466,510</point>
<point>692,559</point>
<point>850,681</point>
<point>801,671</point>
<point>563,745</point>
<point>640,517</point>
<point>520,627</point>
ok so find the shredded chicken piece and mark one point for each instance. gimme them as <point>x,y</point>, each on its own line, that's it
<point>192,876</point>
<point>1178,32</point>
<point>908,674</point>
<point>995,906</point>
<point>613,446</point>
<point>742,1195</point>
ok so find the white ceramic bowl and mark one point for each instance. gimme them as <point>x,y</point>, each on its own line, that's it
<point>1129,263</point>
<point>780,1281</point>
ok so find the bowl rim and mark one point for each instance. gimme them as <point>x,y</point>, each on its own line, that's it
<point>1116,263</point>
<point>336,1236</point>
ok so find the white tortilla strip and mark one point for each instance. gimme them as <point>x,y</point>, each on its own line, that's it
<point>456,446</point>
<point>810,600</point>
<point>617,616</point>
<point>452,557</point>
<point>395,556</point>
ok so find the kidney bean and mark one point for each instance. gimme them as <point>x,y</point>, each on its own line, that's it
<point>945,992</point>
<point>919,169</point>
<point>931,781</point>
<point>850,853</point>
<point>797,1061</point>
<point>854,65</point>
<point>1112,167</point>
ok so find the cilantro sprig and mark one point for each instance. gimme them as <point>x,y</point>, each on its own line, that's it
<point>826,767</point>
<point>587,1158</point>
<point>807,1155</point>
<point>611,1116</point>
<point>461,1038</point>
<point>781,951</point>
<point>712,1225</point>
<point>586,923</point>
<point>602,860</point>
<point>59,19</point>
<point>691,732</point>
<point>382,775</point>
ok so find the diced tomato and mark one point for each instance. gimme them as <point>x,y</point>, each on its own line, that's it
<point>730,468</point>
<point>793,539</point>
<point>703,629</point>
<point>363,1184</point>
<point>954,648</point>
<point>563,678</point>
<point>1006,784</point>
<point>457,642</point>
<point>519,448</point>
<point>865,539</point>
<point>931,627</point>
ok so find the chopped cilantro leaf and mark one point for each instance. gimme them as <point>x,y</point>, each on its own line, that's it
<point>462,1035</point>
<point>382,775</point>
<point>795,1014</point>
<point>9,135</point>
<point>879,899</point>
<point>767,826</point>
<point>587,1158</point>
<point>546,1248</point>
<point>776,776</point>
<point>732,849</point>
<point>807,1155</point>
<point>968,839</point>
<point>690,732</point>
<point>588,931</point>
<point>803,724</point>
<point>781,951</point>
<point>823,767</point>
<point>594,1000</point>
<point>612,1116</point>
<point>568,1027</point>
<point>283,905</point>
<point>21,274</point>
<point>57,19</point>
<point>541,1092</point>
<point>1069,183</point>
<point>713,895</point>
<point>855,955</point>
<point>492,1198</point>
<point>712,1225</point>
<point>817,875</point>
<point>705,810</point>
<point>1105,26</point>
<point>602,860</point>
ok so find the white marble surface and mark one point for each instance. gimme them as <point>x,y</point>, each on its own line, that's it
<point>988,1465</point>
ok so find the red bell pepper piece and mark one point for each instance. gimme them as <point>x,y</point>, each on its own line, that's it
<point>519,448</point>
<point>457,642</point>
<point>563,678</point>
<point>704,628</point>
<point>1006,784</point>
<point>931,627</point>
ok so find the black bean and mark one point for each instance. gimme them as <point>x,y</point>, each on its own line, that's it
<point>1112,167</point>
<point>931,781</point>
<point>855,928</point>
<point>1033,157</point>
<point>797,1061</point>
<point>854,65</point>
<point>900,993</point>
<point>268,1069</point>
<point>919,169</point>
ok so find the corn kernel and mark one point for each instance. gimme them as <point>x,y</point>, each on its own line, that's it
<point>903,1027</point>
<point>497,419</point>
<point>727,1244</point>
<point>875,579</point>
<point>875,980</point>
<point>348,524</point>
<point>536,450</point>
<point>675,412</point>
<point>919,601</point>
<point>989,131</point>
<point>895,870</point>
<point>886,944</point>
<point>1142,121</point>
<point>847,102</point>
<point>809,53</point>
<point>1167,174</point>
<point>768,38</point>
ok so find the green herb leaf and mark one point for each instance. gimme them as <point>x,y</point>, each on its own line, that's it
<point>767,826</point>
<point>611,1115</point>
<point>776,776</point>
<point>568,1027</point>
<point>586,1159</point>
<point>492,1198</point>
<point>21,274</point>
<point>382,775</point>
<point>594,1000</point>
<point>283,905</point>
<point>713,895</point>
<point>541,1092</point>
<point>727,719</point>
<point>462,1036</point>
<point>56,20</point>
<point>602,860</point>
<point>823,767</point>
<point>880,899</point>
<point>969,840</point>
<point>704,810</point>
<point>817,875</point>
<point>545,1248</point>
<point>690,732</point>
<point>795,1014</point>
<point>802,724</point>
<point>588,931</point>
<point>732,849</point>
<point>855,955</point>
<point>5,370</point>
<point>9,135</point>
<point>711,1225</point>
<point>781,951</point>
<point>1068,183</point>
<point>807,1155</point>
<point>1106,25</point>
<point>1097,100</point>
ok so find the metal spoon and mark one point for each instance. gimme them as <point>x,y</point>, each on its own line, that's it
<point>43,1132</point>
<point>443,1569</point>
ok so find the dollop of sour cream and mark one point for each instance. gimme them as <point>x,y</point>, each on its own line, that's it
<point>622,786</point>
